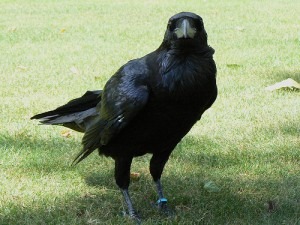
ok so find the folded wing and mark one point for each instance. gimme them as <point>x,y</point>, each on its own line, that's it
<point>123,97</point>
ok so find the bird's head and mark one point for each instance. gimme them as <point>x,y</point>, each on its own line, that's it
<point>185,27</point>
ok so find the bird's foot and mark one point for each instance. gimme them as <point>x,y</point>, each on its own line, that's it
<point>162,206</point>
<point>133,216</point>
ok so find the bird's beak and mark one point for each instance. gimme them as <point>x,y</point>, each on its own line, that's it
<point>184,30</point>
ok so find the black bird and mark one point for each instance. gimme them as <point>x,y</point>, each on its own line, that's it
<point>148,105</point>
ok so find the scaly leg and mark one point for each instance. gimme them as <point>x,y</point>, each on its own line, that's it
<point>157,164</point>
<point>162,201</point>
<point>122,176</point>
<point>131,211</point>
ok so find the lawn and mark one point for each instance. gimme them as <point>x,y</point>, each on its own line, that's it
<point>247,146</point>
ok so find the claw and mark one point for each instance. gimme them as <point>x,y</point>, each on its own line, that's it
<point>163,208</point>
<point>137,219</point>
<point>133,216</point>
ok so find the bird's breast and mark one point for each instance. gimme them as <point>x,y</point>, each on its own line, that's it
<point>186,80</point>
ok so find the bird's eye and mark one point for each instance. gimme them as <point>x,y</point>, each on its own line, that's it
<point>171,25</point>
<point>199,25</point>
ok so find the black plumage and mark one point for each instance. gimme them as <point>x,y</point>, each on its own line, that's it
<point>148,105</point>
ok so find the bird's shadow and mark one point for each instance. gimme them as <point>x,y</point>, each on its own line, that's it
<point>102,202</point>
<point>182,188</point>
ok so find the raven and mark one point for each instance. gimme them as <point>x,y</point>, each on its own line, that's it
<point>148,105</point>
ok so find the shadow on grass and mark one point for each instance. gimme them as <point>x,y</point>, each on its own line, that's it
<point>283,75</point>
<point>250,193</point>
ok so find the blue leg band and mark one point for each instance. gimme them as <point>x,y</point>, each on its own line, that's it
<point>161,200</point>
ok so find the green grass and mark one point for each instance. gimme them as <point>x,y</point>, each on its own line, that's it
<point>248,143</point>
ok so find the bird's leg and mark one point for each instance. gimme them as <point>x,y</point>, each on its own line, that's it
<point>131,211</point>
<point>162,201</point>
<point>157,164</point>
<point>122,176</point>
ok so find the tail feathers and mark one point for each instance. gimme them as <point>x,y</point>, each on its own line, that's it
<point>76,114</point>
<point>82,155</point>
<point>60,119</point>
<point>77,121</point>
<point>91,140</point>
<point>79,114</point>
<point>89,100</point>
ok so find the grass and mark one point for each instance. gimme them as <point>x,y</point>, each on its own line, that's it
<point>247,143</point>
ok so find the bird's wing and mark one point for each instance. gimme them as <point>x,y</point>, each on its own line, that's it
<point>123,97</point>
